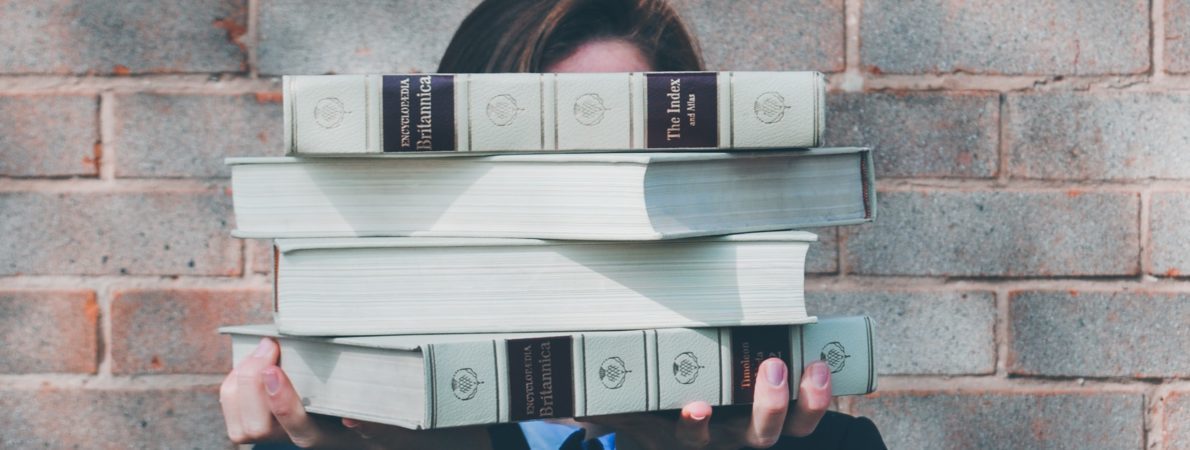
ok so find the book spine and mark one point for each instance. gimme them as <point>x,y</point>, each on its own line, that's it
<point>597,373</point>
<point>353,114</point>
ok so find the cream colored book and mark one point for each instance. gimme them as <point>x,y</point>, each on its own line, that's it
<point>354,114</point>
<point>438,381</point>
<point>374,286</point>
<point>604,196</point>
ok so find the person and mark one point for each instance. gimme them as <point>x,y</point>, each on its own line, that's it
<point>260,405</point>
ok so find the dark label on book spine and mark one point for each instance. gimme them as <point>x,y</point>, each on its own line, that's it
<point>540,378</point>
<point>682,110</point>
<point>418,112</point>
<point>750,346</point>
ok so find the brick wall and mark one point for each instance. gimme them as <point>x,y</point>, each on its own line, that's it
<point>1028,272</point>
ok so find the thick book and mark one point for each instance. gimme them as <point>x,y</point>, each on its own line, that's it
<point>338,114</point>
<point>602,196</point>
<point>438,381</point>
<point>375,286</point>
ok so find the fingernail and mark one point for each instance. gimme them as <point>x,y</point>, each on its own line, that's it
<point>348,423</point>
<point>698,416</point>
<point>262,349</point>
<point>774,371</point>
<point>272,383</point>
<point>819,374</point>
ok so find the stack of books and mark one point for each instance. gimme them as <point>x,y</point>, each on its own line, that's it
<point>472,249</point>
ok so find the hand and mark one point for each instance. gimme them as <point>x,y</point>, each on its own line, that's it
<point>261,405</point>
<point>757,427</point>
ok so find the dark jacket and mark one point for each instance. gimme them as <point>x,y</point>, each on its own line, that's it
<point>836,431</point>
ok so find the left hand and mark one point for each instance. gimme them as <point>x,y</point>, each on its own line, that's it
<point>732,428</point>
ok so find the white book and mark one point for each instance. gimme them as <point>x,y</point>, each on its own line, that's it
<point>373,286</point>
<point>438,381</point>
<point>594,196</point>
<point>354,114</point>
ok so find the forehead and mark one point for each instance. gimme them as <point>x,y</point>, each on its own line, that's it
<point>603,56</point>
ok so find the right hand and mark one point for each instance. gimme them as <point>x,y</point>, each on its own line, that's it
<point>260,405</point>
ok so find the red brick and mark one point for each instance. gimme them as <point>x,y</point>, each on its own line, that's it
<point>49,135</point>
<point>786,35</point>
<point>174,330</point>
<point>1177,36</point>
<point>124,37</point>
<point>1176,433</point>
<point>97,233</point>
<point>978,420</point>
<point>48,331</point>
<point>1009,37</point>
<point>1098,135</point>
<point>112,419</point>
<point>161,135</point>
<point>920,134</point>
<point>262,255</point>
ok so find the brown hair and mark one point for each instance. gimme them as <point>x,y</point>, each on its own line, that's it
<point>529,35</point>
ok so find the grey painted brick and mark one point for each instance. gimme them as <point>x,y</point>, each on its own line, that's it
<point>176,330</point>
<point>1010,37</point>
<point>48,331</point>
<point>1005,420</point>
<point>1176,433</point>
<point>786,35</point>
<point>43,135</point>
<point>1099,334</point>
<point>995,233</point>
<point>824,254</point>
<point>1177,36</point>
<point>1098,136</point>
<point>112,419</point>
<point>373,36</point>
<point>122,37</point>
<point>159,233</point>
<point>189,135</point>
<point>947,333</point>
<point>920,134</point>
<point>1170,233</point>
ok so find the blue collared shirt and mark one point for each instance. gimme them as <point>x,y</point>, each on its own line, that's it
<point>543,435</point>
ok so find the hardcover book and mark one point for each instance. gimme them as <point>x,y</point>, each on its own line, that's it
<point>438,381</point>
<point>337,114</point>
<point>374,286</point>
<point>604,196</point>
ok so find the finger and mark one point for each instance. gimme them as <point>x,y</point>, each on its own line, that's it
<point>256,419</point>
<point>769,404</point>
<point>286,406</point>
<point>814,397</point>
<point>231,408</point>
<point>693,427</point>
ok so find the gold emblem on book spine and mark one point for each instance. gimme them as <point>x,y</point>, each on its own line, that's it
<point>329,112</point>
<point>613,372</point>
<point>503,109</point>
<point>770,107</point>
<point>686,368</point>
<point>465,384</point>
<point>589,109</point>
<point>835,356</point>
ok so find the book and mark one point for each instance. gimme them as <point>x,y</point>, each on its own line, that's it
<point>605,196</point>
<point>373,286</point>
<point>438,381</point>
<point>352,114</point>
